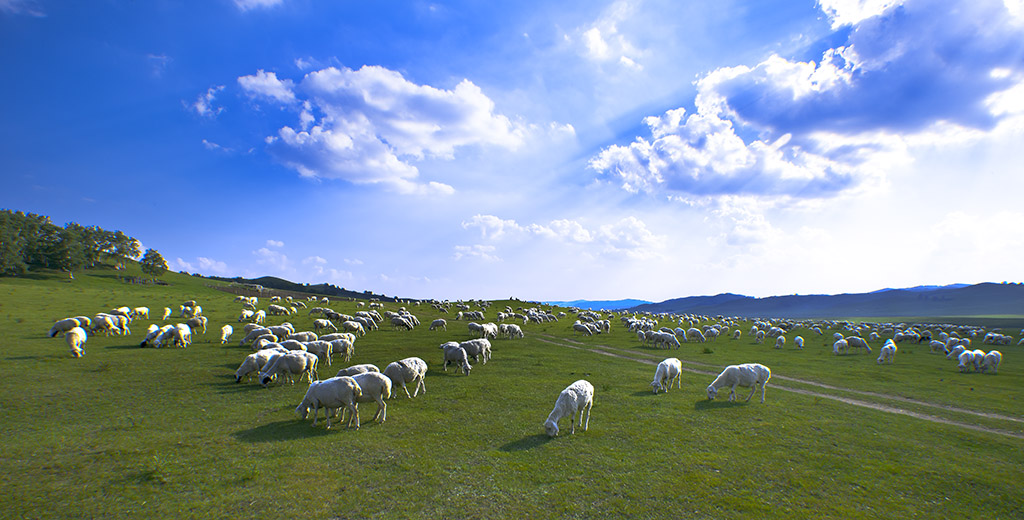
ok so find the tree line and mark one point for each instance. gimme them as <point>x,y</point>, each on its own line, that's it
<point>29,241</point>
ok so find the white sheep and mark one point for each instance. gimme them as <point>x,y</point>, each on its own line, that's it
<point>780,342</point>
<point>374,386</point>
<point>991,361</point>
<point>513,331</point>
<point>358,369</point>
<point>197,322</point>
<point>225,334</point>
<point>167,314</point>
<point>668,370</point>
<point>408,370</point>
<point>858,342</point>
<point>62,326</point>
<point>259,317</point>
<point>141,312</point>
<point>76,338</point>
<point>321,348</point>
<point>344,347</point>
<point>695,334</point>
<point>257,360</point>
<point>354,326</point>
<point>887,352</point>
<point>736,334</point>
<point>746,375</point>
<point>966,361</point>
<point>457,355</point>
<point>295,362</point>
<point>581,327</point>
<point>334,393</point>
<point>840,345</point>
<point>799,342</point>
<point>321,324</point>
<point>439,323</point>
<point>576,398</point>
<point>479,349</point>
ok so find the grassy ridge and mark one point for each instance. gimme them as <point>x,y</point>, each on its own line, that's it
<point>167,433</point>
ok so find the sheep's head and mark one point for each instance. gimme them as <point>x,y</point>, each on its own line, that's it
<point>466,368</point>
<point>655,385</point>
<point>302,410</point>
<point>551,428</point>
<point>712,392</point>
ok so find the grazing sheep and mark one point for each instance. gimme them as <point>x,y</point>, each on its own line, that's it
<point>887,352</point>
<point>439,323</point>
<point>76,338</point>
<point>344,347</point>
<point>354,326</point>
<point>457,355</point>
<point>141,312</point>
<point>799,342</point>
<point>374,386</point>
<point>669,370</point>
<point>746,375</point>
<point>246,315</point>
<point>576,398</point>
<point>991,361</point>
<point>840,344</point>
<point>408,370</point>
<point>580,327</point>
<point>294,362</point>
<point>62,326</point>
<point>358,369</point>
<point>695,334</point>
<point>225,334</point>
<point>339,335</point>
<point>304,336</point>
<point>336,392</point>
<point>780,342</point>
<point>512,331</point>
<point>256,361</point>
<point>966,361</point>
<point>736,334</point>
<point>321,324</point>
<point>479,349</point>
<point>858,342</point>
<point>759,337</point>
<point>321,348</point>
<point>167,314</point>
<point>259,317</point>
<point>936,346</point>
<point>197,322</point>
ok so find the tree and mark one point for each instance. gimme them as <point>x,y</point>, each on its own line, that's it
<point>12,246</point>
<point>153,263</point>
<point>69,253</point>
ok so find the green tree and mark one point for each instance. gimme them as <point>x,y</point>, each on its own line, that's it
<point>12,246</point>
<point>70,253</point>
<point>153,263</point>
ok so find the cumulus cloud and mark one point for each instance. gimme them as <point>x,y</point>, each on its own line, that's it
<point>806,129</point>
<point>266,256</point>
<point>491,226</point>
<point>274,243</point>
<point>368,126</point>
<point>209,265</point>
<point>267,85</point>
<point>603,42</point>
<point>203,105</point>
<point>627,237</point>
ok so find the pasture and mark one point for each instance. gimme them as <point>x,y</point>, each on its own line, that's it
<point>167,433</point>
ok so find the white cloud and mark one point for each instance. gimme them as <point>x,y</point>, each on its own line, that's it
<point>266,84</point>
<point>26,7</point>
<point>158,63</point>
<point>480,251</point>
<point>269,257</point>
<point>274,243</point>
<point>352,261</point>
<point>491,226</point>
<point>209,265</point>
<point>368,126</point>
<point>182,265</point>
<point>849,12</point>
<point>203,105</point>
<point>210,145</point>
<point>603,42</point>
<point>246,5</point>
<point>563,230</point>
<point>810,130</point>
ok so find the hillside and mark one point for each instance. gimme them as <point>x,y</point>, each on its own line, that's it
<point>985,299</point>
<point>610,305</point>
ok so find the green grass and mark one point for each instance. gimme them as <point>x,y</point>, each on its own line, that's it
<point>166,433</point>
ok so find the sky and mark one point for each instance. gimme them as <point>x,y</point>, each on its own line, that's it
<point>539,150</point>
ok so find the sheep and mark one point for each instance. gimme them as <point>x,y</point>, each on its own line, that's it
<point>745,375</point>
<point>695,334</point>
<point>76,338</point>
<point>353,326</point>
<point>966,361</point>
<point>858,342</point>
<point>246,315</point>
<point>277,310</point>
<point>668,370</point>
<point>439,323</point>
<point>780,342</point>
<point>840,344</point>
<point>577,398</point>
<point>259,317</point>
<point>400,322</point>
<point>339,335</point>
<point>456,354</point>
<point>580,327</point>
<point>320,348</point>
<point>321,324</point>
<point>374,386</point>
<point>295,362</point>
<point>667,339</point>
<point>336,392</point>
<point>63,326</point>
<point>225,334</point>
<point>291,344</point>
<point>513,331</point>
<point>408,370</point>
<point>955,351</point>
<point>154,333</point>
<point>479,349</point>
<point>736,334</point>
<point>991,361</point>
<point>141,312</point>
<point>344,347</point>
<point>358,369</point>
<point>887,352</point>
<point>799,342</point>
<point>936,346</point>
<point>167,314</point>
<point>256,361</point>
<point>197,322</point>
<point>304,336</point>
<point>182,335</point>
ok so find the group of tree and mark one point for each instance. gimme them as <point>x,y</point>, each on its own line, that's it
<point>30,241</point>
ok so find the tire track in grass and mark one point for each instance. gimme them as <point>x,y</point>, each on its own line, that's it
<point>650,360</point>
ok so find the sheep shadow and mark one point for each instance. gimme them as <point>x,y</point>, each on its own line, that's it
<point>231,387</point>
<point>25,358</point>
<point>705,404</point>
<point>291,429</point>
<point>526,443</point>
<point>125,347</point>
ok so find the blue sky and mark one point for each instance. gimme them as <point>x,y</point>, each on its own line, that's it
<point>541,150</point>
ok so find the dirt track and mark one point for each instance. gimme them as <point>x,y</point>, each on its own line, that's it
<point>653,360</point>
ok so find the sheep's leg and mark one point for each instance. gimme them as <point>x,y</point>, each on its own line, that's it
<point>762,391</point>
<point>732,393</point>
<point>753,388</point>
<point>572,422</point>
<point>404,387</point>
<point>587,423</point>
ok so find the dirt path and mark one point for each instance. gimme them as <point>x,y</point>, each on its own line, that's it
<point>655,359</point>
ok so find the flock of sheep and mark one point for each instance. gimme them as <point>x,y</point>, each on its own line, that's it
<point>281,354</point>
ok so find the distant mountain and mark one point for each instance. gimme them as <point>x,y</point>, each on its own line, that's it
<point>608,305</point>
<point>923,288</point>
<point>272,282</point>
<point>985,299</point>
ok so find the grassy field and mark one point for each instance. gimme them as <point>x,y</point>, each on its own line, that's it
<point>167,433</point>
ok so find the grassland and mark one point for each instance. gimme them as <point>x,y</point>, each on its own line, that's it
<point>167,433</point>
